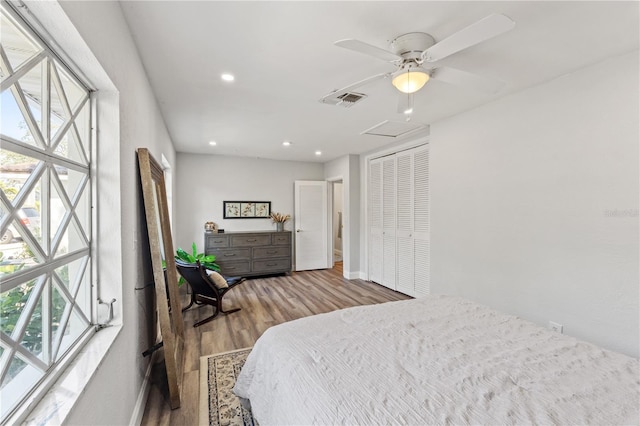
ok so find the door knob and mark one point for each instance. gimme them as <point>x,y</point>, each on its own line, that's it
<point>298,230</point>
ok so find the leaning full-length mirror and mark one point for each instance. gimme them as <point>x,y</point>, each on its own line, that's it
<point>166,285</point>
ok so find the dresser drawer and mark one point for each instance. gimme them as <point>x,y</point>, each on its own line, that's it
<point>267,252</point>
<point>272,265</point>
<point>216,240</point>
<point>281,238</point>
<point>250,240</point>
<point>231,254</point>
<point>233,268</point>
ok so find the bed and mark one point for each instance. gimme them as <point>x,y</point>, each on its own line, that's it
<point>433,360</point>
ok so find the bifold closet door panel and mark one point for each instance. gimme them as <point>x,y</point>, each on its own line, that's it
<point>389,222</point>
<point>421,220</point>
<point>398,221</point>
<point>404,223</point>
<point>374,213</point>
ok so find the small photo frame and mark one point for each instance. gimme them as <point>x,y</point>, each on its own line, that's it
<point>246,209</point>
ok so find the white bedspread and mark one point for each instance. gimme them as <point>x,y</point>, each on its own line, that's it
<point>434,360</point>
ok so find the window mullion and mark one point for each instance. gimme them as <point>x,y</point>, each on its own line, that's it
<point>15,76</point>
<point>14,347</point>
<point>30,306</point>
<point>46,320</point>
<point>46,103</point>
<point>14,280</point>
<point>23,104</point>
<point>31,181</point>
<point>55,344</point>
<point>7,355</point>
<point>71,122</point>
<point>45,206</point>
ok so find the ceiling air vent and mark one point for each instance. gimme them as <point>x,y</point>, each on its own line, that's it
<point>344,99</point>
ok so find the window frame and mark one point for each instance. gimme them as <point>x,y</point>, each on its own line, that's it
<point>66,357</point>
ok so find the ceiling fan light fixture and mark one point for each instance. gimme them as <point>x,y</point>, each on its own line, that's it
<point>410,79</point>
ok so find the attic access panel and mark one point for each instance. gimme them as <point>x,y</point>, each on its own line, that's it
<point>393,129</point>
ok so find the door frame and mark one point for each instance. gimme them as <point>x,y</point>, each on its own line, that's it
<point>345,224</point>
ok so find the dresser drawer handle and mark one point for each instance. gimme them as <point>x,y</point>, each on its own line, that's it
<point>218,241</point>
<point>251,241</point>
<point>229,254</point>
<point>230,268</point>
<point>272,264</point>
<point>272,251</point>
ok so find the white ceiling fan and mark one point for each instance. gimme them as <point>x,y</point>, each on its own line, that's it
<point>413,54</point>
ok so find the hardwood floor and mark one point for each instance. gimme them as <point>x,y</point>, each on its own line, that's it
<point>337,266</point>
<point>265,302</point>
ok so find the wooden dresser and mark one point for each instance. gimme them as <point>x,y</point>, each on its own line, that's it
<point>250,253</point>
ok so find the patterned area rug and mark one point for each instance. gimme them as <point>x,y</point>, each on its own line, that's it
<point>219,406</point>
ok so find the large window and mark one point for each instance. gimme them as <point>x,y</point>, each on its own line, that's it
<point>45,212</point>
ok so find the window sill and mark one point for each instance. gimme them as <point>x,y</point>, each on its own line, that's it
<point>56,404</point>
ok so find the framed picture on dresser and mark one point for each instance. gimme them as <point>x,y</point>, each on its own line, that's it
<point>246,209</point>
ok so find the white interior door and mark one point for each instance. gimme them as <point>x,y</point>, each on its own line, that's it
<point>311,219</point>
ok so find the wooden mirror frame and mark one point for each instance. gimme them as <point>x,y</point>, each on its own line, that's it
<point>167,294</point>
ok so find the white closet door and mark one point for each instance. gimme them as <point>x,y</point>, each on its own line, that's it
<point>398,221</point>
<point>421,232</point>
<point>389,222</point>
<point>404,222</point>
<point>374,215</point>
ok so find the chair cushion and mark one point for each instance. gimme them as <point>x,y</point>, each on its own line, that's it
<point>218,280</point>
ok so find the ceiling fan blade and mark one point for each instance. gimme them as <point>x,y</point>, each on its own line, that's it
<point>484,29</point>
<point>405,103</point>
<point>467,80</point>
<point>363,82</point>
<point>368,49</point>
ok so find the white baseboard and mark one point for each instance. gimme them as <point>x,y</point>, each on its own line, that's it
<point>143,395</point>
<point>351,275</point>
<point>362,275</point>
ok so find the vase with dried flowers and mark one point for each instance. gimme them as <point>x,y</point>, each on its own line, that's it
<point>279,219</point>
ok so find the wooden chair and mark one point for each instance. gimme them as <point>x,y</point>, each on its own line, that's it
<point>203,289</point>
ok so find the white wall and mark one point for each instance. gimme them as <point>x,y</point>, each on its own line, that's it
<point>111,394</point>
<point>205,181</point>
<point>534,204</point>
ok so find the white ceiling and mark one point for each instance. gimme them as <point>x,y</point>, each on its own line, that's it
<point>284,61</point>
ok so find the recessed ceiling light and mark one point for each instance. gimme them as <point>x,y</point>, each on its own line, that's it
<point>286,143</point>
<point>227,77</point>
<point>318,152</point>
<point>212,143</point>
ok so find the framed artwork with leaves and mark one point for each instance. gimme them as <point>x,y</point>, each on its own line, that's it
<point>246,209</point>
